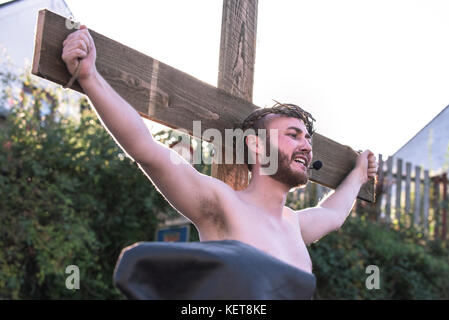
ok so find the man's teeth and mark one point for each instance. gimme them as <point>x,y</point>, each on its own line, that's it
<point>301,161</point>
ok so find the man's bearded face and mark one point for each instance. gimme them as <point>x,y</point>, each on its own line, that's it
<point>293,143</point>
<point>288,173</point>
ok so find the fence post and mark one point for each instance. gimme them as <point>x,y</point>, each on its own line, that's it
<point>436,206</point>
<point>417,217</point>
<point>445,204</point>
<point>302,197</point>
<point>408,182</point>
<point>313,194</point>
<point>388,195</point>
<point>426,196</point>
<point>379,188</point>
<point>398,190</point>
<point>319,192</point>
<point>307,196</point>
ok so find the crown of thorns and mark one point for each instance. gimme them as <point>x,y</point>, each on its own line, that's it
<point>287,109</point>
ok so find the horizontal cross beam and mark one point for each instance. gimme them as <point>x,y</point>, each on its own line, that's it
<point>171,97</point>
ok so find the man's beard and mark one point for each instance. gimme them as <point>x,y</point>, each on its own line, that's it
<point>285,174</point>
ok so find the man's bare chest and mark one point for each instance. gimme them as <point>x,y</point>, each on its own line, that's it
<point>280,238</point>
<point>283,242</point>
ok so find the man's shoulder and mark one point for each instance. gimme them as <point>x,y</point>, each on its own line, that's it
<point>291,215</point>
<point>290,211</point>
<point>224,190</point>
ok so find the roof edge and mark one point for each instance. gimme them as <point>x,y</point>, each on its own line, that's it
<point>8,3</point>
<point>394,154</point>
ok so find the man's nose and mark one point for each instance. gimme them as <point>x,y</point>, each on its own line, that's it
<point>307,147</point>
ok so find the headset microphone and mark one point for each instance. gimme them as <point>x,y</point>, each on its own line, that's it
<point>316,165</point>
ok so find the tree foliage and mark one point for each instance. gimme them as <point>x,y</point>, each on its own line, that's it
<point>69,196</point>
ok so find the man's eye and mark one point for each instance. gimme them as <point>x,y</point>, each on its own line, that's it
<point>292,135</point>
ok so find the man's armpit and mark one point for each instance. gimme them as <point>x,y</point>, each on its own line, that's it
<point>212,215</point>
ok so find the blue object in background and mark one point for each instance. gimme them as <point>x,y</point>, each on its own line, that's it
<point>173,234</point>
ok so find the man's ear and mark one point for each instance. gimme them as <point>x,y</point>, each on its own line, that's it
<point>254,144</point>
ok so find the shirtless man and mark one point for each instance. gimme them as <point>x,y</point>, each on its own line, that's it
<point>256,215</point>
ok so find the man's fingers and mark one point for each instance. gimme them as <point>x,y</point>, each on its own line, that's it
<point>77,35</point>
<point>371,161</point>
<point>84,34</point>
<point>91,40</point>
<point>71,56</point>
<point>76,44</point>
<point>85,38</point>
<point>72,36</point>
<point>373,167</point>
<point>78,53</point>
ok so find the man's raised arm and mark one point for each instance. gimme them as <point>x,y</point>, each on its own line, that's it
<point>122,121</point>
<point>332,211</point>
<point>171,174</point>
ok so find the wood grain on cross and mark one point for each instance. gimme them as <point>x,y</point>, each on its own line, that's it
<point>236,73</point>
<point>173,98</point>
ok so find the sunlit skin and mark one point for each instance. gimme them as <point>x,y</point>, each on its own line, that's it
<point>293,140</point>
<point>256,215</point>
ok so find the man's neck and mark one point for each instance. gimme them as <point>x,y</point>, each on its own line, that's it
<point>268,194</point>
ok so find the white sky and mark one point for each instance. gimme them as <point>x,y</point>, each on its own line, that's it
<point>372,73</point>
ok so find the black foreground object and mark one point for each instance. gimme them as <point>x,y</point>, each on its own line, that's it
<point>210,270</point>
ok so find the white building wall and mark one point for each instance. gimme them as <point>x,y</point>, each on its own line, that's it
<point>18,24</point>
<point>430,147</point>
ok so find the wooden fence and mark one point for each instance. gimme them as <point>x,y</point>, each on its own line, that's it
<point>406,196</point>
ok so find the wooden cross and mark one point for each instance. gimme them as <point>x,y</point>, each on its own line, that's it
<point>175,99</point>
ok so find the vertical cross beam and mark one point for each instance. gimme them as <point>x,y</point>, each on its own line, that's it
<point>236,72</point>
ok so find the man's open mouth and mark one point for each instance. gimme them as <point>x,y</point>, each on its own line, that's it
<point>302,161</point>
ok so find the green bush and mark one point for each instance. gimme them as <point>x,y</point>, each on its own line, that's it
<point>69,196</point>
<point>410,267</point>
